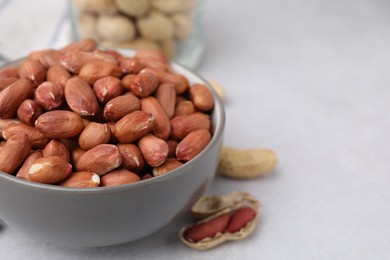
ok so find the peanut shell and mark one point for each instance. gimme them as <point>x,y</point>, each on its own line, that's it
<point>244,200</point>
<point>246,164</point>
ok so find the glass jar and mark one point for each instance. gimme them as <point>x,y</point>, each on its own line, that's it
<point>171,26</point>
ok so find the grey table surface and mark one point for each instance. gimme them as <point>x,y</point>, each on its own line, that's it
<point>310,80</point>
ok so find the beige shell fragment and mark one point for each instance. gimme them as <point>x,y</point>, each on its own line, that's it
<point>210,205</point>
<point>246,164</point>
<point>207,243</point>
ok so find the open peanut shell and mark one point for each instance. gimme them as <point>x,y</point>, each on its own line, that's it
<point>224,204</point>
<point>210,205</point>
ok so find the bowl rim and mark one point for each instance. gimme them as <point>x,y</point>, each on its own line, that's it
<point>217,135</point>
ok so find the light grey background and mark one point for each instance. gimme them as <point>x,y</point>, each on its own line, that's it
<point>309,79</point>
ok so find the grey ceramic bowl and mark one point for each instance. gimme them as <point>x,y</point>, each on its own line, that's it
<point>111,215</point>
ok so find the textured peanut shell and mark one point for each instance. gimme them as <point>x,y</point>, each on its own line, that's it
<point>133,7</point>
<point>210,242</point>
<point>246,164</point>
<point>210,205</point>
<point>115,28</point>
<point>155,26</point>
<point>87,26</point>
<point>183,26</point>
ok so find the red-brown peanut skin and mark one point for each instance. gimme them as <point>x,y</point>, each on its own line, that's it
<point>76,153</point>
<point>33,71</point>
<point>133,126</point>
<point>166,96</point>
<point>151,55</point>
<point>156,65</point>
<point>192,144</point>
<point>49,170</point>
<point>154,150</point>
<point>48,57</point>
<point>101,159</point>
<point>207,229</point>
<point>120,106</point>
<point>37,138</point>
<point>144,84</point>
<point>113,53</point>
<point>161,124</point>
<point>86,44</point>
<point>5,82</point>
<point>184,108</point>
<point>12,96</point>
<point>23,171</point>
<point>107,88</point>
<point>240,218</point>
<point>9,72</point>
<point>58,124</point>
<point>5,123</point>
<point>58,75</point>
<point>74,61</point>
<point>119,177</point>
<point>183,125</point>
<point>132,158</point>
<point>80,97</point>
<point>83,179</point>
<point>127,80</point>
<point>113,139</point>
<point>56,148</point>
<point>49,95</point>
<point>93,135</point>
<point>179,81</point>
<point>172,144</point>
<point>146,176</point>
<point>169,165</point>
<point>130,65</point>
<point>13,152</point>
<point>29,111</point>
<point>95,70</point>
<point>202,98</point>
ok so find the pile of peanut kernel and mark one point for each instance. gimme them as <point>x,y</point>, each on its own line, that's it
<point>85,117</point>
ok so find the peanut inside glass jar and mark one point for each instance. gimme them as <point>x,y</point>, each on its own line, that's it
<point>170,26</point>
